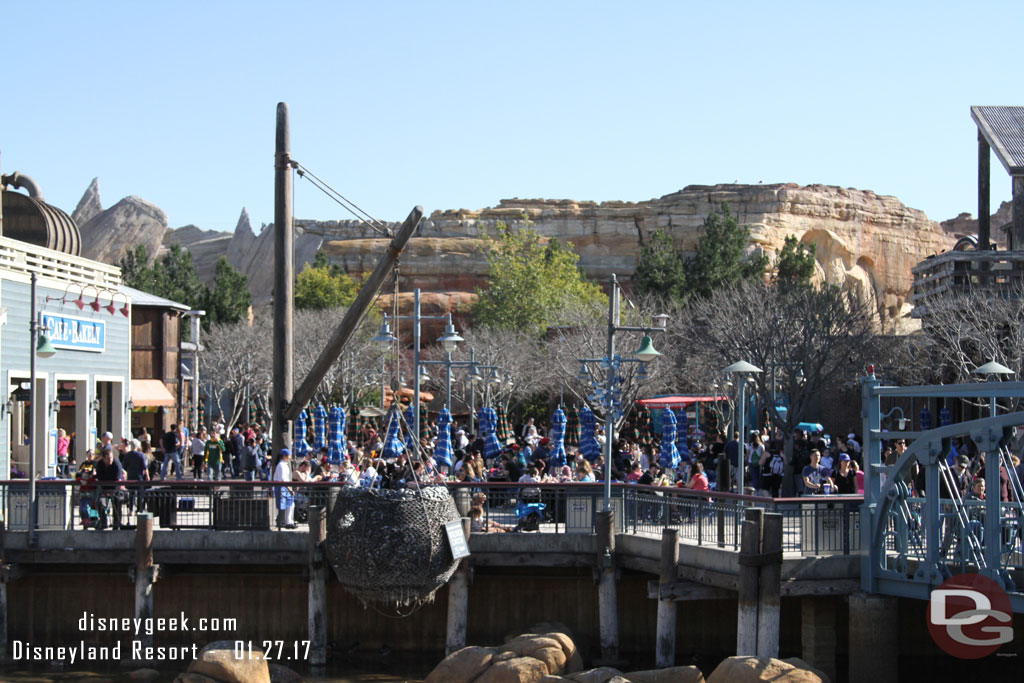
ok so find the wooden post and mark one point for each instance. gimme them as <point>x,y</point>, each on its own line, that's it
<point>284,282</point>
<point>145,572</point>
<point>665,653</point>
<point>1017,231</point>
<point>458,602</point>
<point>770,587</point>
<point>747,586</point>
<point>317,587</point>
<point>984,219</point>
<point>3,597</point>
<point>607,596</point>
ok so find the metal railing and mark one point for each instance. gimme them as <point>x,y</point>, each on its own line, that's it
<point>812,525</point>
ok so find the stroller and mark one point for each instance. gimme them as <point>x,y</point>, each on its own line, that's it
<point>529,510</point>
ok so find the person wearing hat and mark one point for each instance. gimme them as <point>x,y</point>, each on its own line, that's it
<point>284,496</point>
<point>845,477</point>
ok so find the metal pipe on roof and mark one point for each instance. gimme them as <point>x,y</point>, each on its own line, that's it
<point>20,180</point>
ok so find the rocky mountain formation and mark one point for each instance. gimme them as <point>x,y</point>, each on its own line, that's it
<point>863,240</point>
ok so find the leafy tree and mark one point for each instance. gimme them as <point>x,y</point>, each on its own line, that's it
<point>532,284</point>
<point>173,276</point>
<point>720,260</point>
<point>321,286</point>
<point>795,265</point>
<point>229,299</point>
<point>661,269</point>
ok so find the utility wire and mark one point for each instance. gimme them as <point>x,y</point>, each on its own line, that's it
<point>343,201</point>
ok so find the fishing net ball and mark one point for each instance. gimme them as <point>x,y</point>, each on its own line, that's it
<point>389,547</point>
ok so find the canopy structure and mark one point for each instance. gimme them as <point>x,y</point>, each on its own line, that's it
<point>150,393</point>
<point>675,402</point>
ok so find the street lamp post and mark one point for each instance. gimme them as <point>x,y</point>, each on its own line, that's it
<point>449,339</point>
<point>992,371</point>
<point>608,396</point>
<point>39,345</point>
<point>742,370</point>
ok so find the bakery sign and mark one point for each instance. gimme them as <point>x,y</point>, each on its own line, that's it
<point>78,334</point>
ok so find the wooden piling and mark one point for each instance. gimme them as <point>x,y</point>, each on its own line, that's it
<point>458,602</point>
<point>770,587</point>
<point>3,597</point>
<point>607,596</point>
<point>747,586</point>
<point>665,653</point>
<point>317,587</point>
<point>144,573</point>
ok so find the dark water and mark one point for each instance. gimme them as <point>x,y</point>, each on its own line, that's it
<point>401,669</point>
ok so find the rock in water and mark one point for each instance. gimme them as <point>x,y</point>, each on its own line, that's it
<point>753,669</point>
<point>390,547</point>
<point>217,661</point>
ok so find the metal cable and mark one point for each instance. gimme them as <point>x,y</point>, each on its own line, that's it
<point>346,203</point>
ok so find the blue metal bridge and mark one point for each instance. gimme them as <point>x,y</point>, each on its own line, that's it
<point>914,542</point>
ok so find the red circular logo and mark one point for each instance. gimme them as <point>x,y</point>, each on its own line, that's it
<point>969,616</point>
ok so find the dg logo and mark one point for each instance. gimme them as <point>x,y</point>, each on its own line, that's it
<point>969,616</point>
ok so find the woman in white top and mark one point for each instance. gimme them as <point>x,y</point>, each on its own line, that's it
<point>283,494</point>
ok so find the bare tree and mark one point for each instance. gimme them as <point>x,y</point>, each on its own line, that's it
<point>963,331</point>
<point>805,339</point>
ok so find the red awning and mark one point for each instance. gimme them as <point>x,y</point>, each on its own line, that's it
<point>674,402</point>
<point>150,393</point>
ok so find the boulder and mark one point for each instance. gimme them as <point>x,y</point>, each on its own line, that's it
<point>515,670</point>
<point>675,674</point>
<point>217,661</point>
<point>752,669</point>
<point>548,650</point>
<point>144,675</point>
<point>188,677</point>
<point>463,665</point>
<point>282,674</point>
<point>602,674</point>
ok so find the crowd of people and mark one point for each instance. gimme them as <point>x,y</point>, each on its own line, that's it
<point>819,464</point>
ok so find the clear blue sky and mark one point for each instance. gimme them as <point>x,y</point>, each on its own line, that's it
<point>458,105</point>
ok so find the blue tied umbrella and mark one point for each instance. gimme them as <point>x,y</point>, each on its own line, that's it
<point>393,445</point>
<point>320,424</point>
<point>682,433</point>
<point>492,447</point>
<point>301,446</point>
<point>337,434</point>
<point>945,417</point>
<point>925,416</point>
<point>669,454</point>
<point>590,447</point>
<point>410,420</point>
<point>557,458</point>
<point>443,448</point>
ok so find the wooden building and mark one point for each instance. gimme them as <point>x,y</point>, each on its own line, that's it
<point>156,361</point>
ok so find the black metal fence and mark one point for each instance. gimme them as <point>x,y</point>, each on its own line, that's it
<point>813,525</point>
